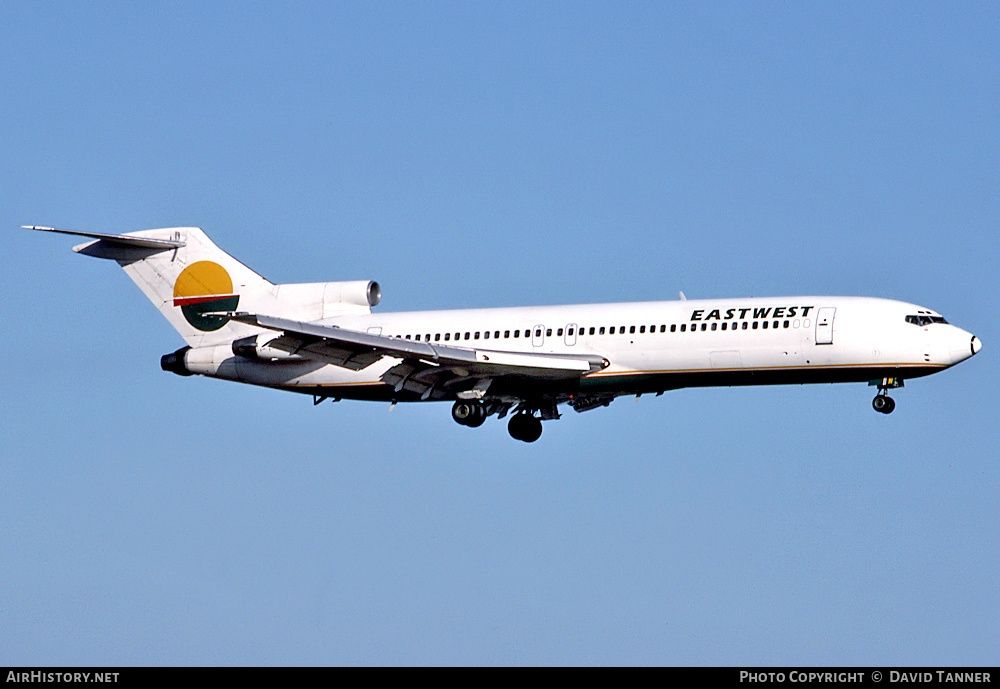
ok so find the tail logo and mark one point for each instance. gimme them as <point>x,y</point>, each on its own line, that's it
<point>202,288</point>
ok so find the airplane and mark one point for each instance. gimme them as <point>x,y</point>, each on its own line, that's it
<point>322,339</point>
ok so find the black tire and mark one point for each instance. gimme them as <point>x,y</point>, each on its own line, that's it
<point>879,404</point>
<point>463,412</point>
<point>890,404</point>
<point>515,426</point>
<point>478,416</point>
<point>525,427</point>
<point>533,429</point>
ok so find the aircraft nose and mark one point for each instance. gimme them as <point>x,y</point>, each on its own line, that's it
<point>961,345</point>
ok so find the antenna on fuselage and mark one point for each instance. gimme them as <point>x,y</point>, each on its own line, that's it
<point>683,298</point>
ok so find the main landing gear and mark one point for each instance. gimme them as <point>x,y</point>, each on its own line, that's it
<point>523,425</point>
<point>469,413</point>
<point>882,402</point>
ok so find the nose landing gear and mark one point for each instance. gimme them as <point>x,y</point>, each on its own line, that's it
<point>882,402</point>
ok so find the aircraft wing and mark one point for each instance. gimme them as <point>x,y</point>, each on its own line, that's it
<point>425,367</point>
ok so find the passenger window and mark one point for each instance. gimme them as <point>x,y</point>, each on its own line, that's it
<point>475,335</point>
<point>621,330</point>
<point>447,337</point>
<point>684,327</point>
<point>548,332</point>
<point>601,331</point>
<point>592,330</point>
<point>704,327</point>
<point>506,334</point>
<point>714,325</point>
<point>673,327</point>
<point>569,332</point>
<point>765,325</point>
<point>755,325</point>
<point>517,334</point>
<point>642,329</point>
<point>786,324</point>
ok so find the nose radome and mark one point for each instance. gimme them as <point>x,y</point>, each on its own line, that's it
<point>977,344</point>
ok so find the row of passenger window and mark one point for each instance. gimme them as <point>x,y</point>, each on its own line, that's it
<point>612,330</point>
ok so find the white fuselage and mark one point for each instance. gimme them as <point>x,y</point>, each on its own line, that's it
<point>650,346</point>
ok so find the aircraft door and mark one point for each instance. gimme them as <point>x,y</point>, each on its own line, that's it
<point>571,334</point>
<point>824,325</point>
<point>538,336</point>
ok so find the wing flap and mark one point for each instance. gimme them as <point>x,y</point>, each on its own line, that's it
<point>345,355</point>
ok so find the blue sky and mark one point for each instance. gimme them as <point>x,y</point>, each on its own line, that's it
<point>495,154</point>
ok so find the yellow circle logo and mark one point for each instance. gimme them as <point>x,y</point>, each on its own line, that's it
<point>203,288</point>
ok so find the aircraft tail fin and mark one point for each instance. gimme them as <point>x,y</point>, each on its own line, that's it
<point>196,285</point>
<point>186,276</point>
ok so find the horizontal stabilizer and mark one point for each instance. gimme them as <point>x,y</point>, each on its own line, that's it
<point>108,242</point>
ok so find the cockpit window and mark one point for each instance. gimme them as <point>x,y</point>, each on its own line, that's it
<point>925,320</point>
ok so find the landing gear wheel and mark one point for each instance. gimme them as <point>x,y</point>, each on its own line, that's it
<point>525,427</point>
<point>469,413</point>
<point>883,404</point>
<point>478,417</point>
